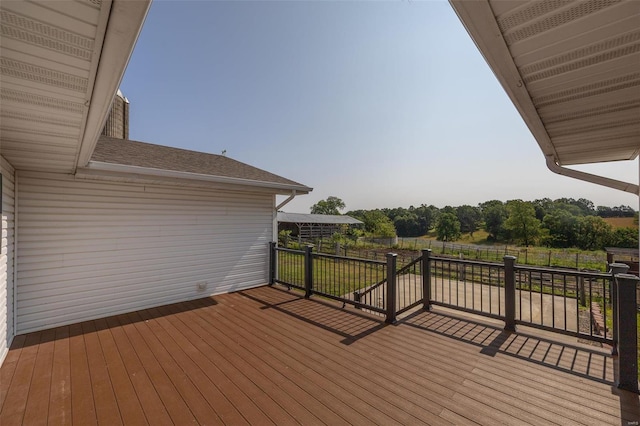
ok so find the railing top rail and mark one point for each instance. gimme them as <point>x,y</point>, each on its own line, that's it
<point>357,259</point>
<point>369,289</point>
<point>572,272</point>
<point>466,261</point>
<point>406,267</point>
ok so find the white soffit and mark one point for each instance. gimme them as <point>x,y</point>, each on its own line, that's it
<point>572,69</point>
<point>59,70</point>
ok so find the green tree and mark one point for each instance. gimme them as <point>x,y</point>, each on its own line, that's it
<point>448,227</point>
<point>494,213</point>
<point>408,225</point>
<point>583,206</point>
<point>624,237</point>
<point>563,228</point>
<point>427,217</point>
<point>522,223</point>
<point>469,218</point>
<point>377,224</point>
<point>332,205</point>
<point>594,233</point>
<point>542,207</point>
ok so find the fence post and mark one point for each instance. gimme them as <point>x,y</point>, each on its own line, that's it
<point>615,269</point>
<point>426,279</point>
<point>583,293</point>
<point>509,293</point>
<point>628,332</point>
<point>392,259</point>
<point>272,263</point>
<point>308,271</point>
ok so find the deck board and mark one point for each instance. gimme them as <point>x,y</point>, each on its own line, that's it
<point>130,407</point>
<point>268,356</point>
<point>82,402</point>
<point>13,410</point>
<point>194,344</point>
<point>60,394</point>
<point>107,411</point>
<point>38,398</point>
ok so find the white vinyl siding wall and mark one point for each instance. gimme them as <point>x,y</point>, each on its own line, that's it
<point>7,244</point>
<point>91,249</point>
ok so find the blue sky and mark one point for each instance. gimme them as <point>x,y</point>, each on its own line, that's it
<point>383,104</point>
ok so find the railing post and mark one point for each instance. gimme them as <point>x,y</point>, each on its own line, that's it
<point>272,263</point>
<point>615,269</point>
<point>509,293</point>
<point>426,279</point>
<point>308,271</point>
<point>392,259</point>
<point>628,332</point>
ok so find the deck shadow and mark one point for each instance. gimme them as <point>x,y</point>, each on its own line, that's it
<point>573,359</point>
<point>326,315</point>
<point>98,324</point>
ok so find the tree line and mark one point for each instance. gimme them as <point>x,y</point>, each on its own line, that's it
<point>562,223</point>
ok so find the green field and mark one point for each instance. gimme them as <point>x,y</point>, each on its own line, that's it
<point>621,222</point>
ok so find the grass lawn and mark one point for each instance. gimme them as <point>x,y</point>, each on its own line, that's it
<point>331,276</point>
<point>478,237</point>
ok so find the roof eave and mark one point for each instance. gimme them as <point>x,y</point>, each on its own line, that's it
<point>480,22</point>
<point>278,187</point>
<point>123,27</point>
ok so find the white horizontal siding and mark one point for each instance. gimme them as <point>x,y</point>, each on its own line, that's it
<point>89,249</point>
<point>7,244</point>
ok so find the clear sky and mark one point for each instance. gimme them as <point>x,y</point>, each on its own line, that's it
<point>383,104</point>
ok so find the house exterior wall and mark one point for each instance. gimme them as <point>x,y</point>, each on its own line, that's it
<point>90,249</point>
<point>7,244</point>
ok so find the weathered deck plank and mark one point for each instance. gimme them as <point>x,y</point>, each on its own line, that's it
<point>268,356</point>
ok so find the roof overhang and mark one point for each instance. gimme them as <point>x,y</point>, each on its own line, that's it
<point>62,63</point>
<point>572,69</point>
<point>97,170</point>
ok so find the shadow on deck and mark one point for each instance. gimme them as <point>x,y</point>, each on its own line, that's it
<point>269,356</point>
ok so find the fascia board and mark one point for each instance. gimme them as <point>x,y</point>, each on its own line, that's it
<point>173,174</point>
<point>125,21</point>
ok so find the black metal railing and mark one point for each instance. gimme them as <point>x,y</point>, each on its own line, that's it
<point>565,301</point>
<point>288,267</point>
<point>410,286</point>
<point>471,286</point>
<point>584,304</point>
<point>340,278</point>
<point>344,278</point>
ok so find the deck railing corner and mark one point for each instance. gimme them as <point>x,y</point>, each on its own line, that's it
<point>626,331</point>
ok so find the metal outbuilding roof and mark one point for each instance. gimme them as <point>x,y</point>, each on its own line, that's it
<point>317,218</point>
<point>572,69</point>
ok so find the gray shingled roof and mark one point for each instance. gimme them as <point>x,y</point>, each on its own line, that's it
<point>141,154</point>
<point>317,218</point>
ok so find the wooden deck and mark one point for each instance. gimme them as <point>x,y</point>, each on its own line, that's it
<point>267,356</point>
